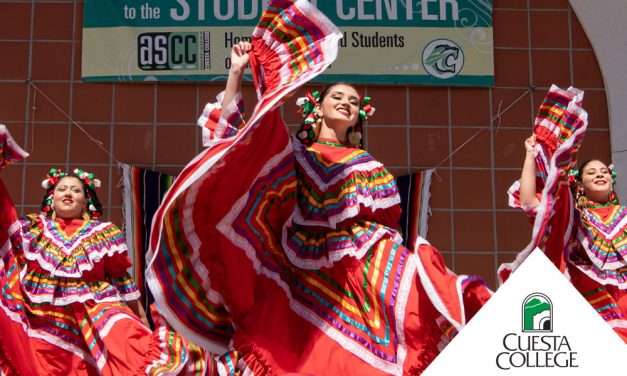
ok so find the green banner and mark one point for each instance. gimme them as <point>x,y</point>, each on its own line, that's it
<point>432,42</point>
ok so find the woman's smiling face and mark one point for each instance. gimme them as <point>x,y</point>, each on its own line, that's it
<point>68,198</point>
<point>596,179</point>
<point>339,108</point>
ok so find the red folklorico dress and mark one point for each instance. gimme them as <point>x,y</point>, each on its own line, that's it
<point>588,244</point>
<point>286,258</point>
<point>62,305</point>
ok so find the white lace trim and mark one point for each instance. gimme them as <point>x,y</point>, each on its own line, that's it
<point>164,357</point>
<point>94,256</point>
<point>620,227</point>
<point>210,138</point>
<point>618,323</point>
<point>596,261</point>
<point>207,134</point>
<point>602,281</point>
<point>430,288</point>
<point>50,299</point>
<point>407,280</point>
<point>350,212</point>
<point>15,227</point>
<point>326,261</point>
<point>299,151</point>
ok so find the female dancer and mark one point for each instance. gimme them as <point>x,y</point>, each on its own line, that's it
<point>68,305</point>
<point>281,253</point>
<point>578,221</point>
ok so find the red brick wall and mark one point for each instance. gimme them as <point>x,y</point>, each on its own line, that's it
<point>536,43</point>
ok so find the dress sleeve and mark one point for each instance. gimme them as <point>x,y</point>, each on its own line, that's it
<point>513,194</point>
<point>388,217</point>
<point>116,271</point>
<point>559,118</point>
<point>10,226</point>
<point>10,151</point>
<point>218,123</point>
<point>560,127</point>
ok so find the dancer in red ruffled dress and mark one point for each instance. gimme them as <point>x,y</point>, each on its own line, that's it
<point>578,221</point>
<point>282,253</point>
<point>68,305</point>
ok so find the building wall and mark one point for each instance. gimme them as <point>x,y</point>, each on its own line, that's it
<point>536,43</point>
<point>604,23</point>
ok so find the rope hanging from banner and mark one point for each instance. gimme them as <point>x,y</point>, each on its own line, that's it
<point>100,144</point>
<point>495,117</point>
<point>75,123</point>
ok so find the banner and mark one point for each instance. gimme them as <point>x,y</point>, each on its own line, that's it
<point>433,42</point>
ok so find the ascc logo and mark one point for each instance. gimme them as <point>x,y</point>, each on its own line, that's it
<point>536,346</point>
<point>174,51</point>
<point>443,58</point>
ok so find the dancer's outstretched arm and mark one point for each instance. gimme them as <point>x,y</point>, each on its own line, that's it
<point>528,176</point>
<point>239,61</point>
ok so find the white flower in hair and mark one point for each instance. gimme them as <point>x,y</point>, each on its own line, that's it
<point>81,174</point>
<point>97,183</point>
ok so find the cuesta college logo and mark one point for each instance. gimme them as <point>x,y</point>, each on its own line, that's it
<point>536,346</point>
<point>443,58</point>
<point>537,313</point>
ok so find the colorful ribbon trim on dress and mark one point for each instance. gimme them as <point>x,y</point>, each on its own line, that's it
<point>144,189</point>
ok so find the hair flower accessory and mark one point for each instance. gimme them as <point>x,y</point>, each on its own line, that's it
<point>308,103</point>
<point>573,176</point>
<point>613,172</point>
<point>52,177</point>
<point>366,108</point>
<point>307,106</point>
<point>48,183</point>
<point>87,178</point>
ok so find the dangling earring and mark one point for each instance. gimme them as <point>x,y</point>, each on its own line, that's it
<point>354,136</point>
<point>53,216</point>
<point>86,216</point>
<point>613,198</point>
<point>580,197</point>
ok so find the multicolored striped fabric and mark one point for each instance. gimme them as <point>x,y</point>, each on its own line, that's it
<point>143,192</point>
<point>62,300</point>
<point>58,266</point>
<point>182,289</point>
<point>414,192</point>
<point>277,255</point>
<point>587,244</point>
<point>603,234</point>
